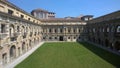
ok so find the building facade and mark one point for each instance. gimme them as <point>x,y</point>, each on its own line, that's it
<point>43,14</point>
<point>21,31</point>
<point>62,29</point>
<point>104,30</point>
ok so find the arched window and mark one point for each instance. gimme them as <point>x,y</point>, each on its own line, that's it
<point>50,30</point>
<point>118,29</point>
<point>12,51</point>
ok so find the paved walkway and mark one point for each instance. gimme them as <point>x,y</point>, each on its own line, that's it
<point>24,56</point>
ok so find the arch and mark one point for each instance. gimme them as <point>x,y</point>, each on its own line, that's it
<point>107,43</point>
<point>23,47</point>
<point>30,43</point>
<point>117,45</point>
<point>11,30</point>
<point>99,41</point>
<point>19,51</point>
<point>12,52</point>
<point>4,58</point>
<point>23,29</point>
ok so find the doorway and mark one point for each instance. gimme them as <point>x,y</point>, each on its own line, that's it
<point>61,38</point>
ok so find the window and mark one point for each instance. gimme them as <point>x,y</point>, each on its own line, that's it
<point>118,29</point>
<point>112,29</point>
<point>44,37</point>
<point>74,30</point>
<point>103,30</point>
<point>79,30</point>
<point>22,16</point>
<point>50,30</point>
<point>2,28</point>
<point>55,37</point>
<point>74,37</point>
<point>29,19</point>
<point>68,30</point>
<point>18,29</point>
<point>55,31</point>
<point>61,30</point>
<point>107,29</point>
<point>93,29</point>
<point>50,37</point>
<point>68,37</point>
<point>10,11</point>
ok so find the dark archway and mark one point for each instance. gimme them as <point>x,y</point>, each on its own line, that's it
<point>99,41</point>
<point>117,46</point>
<point>106,43</point>
<point>30,43</point>
<point>4,58</point>
<point>61,38</point>
<point>12,52</point>
<point>23,47</point>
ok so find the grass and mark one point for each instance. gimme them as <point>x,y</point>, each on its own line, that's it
<point>70,55</point>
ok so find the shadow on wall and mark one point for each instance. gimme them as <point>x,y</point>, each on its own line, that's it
<point>107,56</point>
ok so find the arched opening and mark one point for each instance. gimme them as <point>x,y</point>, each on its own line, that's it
<point>19,51</point>
<point>117,46</point>
<point>12,52</point>
<point>61,38</point>
<point>23,47</point>
<point>99,41</point>
<point>93,39</point>
<point>11,31</point>
<point>106,43</point>
<point>4,58</point>
<point>110,44</point>
<point>30,44</point>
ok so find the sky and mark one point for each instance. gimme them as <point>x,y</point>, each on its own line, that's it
<point>73,8</point>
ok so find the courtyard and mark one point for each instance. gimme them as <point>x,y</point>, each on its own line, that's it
<point>70,55</point>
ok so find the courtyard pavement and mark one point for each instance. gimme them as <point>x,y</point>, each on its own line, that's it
<point>21,58</point>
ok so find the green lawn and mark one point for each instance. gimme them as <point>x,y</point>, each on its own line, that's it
<point>70,55</point>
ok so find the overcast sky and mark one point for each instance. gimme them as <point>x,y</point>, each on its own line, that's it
<point>73,8</point>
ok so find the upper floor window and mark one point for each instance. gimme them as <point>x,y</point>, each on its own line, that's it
<point>29,19</point>
<point>10,11</point>
<point>79,30</point>
<point>93,29</point>
<point>107,29</point>
<point>55,30</point>
<point>118,29</point>
<point>22,16</point>
<point>103,30</point>
<point>3,28</point>
<point>74,31</point>
<point>68,30</point>
<point>61,30</point>
<point>50,30</point>
<point>18,29</point>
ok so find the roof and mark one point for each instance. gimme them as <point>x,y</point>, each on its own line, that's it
<point>61,20</point>
<point>39,10</point>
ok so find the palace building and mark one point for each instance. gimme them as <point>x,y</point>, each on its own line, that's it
<point>104,30</point>
<point>21,31</point>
